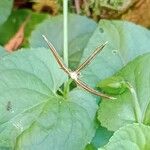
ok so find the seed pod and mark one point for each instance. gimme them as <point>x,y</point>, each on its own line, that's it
<point>114,85</point>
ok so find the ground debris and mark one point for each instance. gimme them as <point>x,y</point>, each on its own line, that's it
<point>139,13</point>
<point>16,41</point>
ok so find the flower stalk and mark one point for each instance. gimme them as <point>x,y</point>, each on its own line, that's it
<point>65,33</point>
<point>65,43</point>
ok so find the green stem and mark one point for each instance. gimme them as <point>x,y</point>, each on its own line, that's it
<point>65,41</point>
<point>65,26</point>
<point>66,88</point>
<point>136,105</point>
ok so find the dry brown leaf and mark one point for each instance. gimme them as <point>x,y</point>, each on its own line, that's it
<point>17,39</point>
<point>139,13</point>
<point>49,6</point>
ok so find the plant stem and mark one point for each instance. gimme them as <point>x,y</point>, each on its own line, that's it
<point>66,88</point>
<point>135,101</point>
<point>65,41</point>
<point>65,27</point>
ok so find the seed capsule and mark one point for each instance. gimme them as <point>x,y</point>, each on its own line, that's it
<point>114,85</point>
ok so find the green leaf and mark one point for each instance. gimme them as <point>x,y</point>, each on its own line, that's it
<point>5,10</point>
<point>102,137</point>
<point>23,89</point>
<point>3,52</point>
<point>134,104</point>
<point>90,147</point>
<point>17,17</point>
<point>76,48</point>
<point>33,115</point>
<point>62,124</point>
<point>125,42</point>
<point>79,29</point>
<point>130,137</point>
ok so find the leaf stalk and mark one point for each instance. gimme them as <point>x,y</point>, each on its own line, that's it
<point>137,109</point>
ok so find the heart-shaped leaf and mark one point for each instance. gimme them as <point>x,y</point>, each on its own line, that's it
<point>125,42</point>
<point>79,31</point>
<point>133,105</point>
<point>5,9</point>
<point>33,116</point>
<point>64,124</point>
<point>130,137</point>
